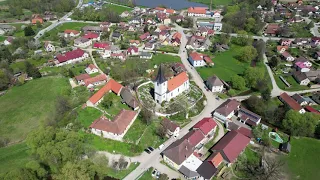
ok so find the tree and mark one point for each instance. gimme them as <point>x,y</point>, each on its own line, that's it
<point>74,171</point>
<point>274,61</point>
<point>32,71</point>
<point>266,94</point>
<point>243,39</point>
<point>28,31</point>
<point>247,54</point>
<point>71,74</point>
<point>255,104</point>
<point>300,124</point>
<point>260,46</point>
<point>162,131</point>
<point>257,131</point>
<point>252,75</point>
<point>238,82</point>
<point>37,168</point>
<point>107,101</point>
<point>63,42</point>
<point>145,29</point>
<point>19,173</point>
<point>39,25</point>
<point>146,116</point>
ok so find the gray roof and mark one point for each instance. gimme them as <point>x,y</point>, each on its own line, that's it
<point>299,76</point>
<point>81,40</point>
<point>298,98</point>
<point>92,28</point>
<point>145,54</point>
<point>312,75</point>
<point>160,77</point>
<point>206,170</point>
<point>179,150</point>
<point>128,98</point>
<point>286,146</point>
<point>187,172</point>
<point>214,81</point>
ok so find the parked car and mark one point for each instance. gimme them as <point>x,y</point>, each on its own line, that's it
<point>150,148</point>
<point>147,151</point>
<point>154,172</point>
<point>161,146</point>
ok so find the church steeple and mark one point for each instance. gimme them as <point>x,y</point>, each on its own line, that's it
<point>160,77</point>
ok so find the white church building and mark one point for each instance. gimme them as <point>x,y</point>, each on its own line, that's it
<point>165,90</point>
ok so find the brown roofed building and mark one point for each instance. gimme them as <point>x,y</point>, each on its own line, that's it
<point>129,99</point>
<point>287,100</point>
<point>172,128</point>
<point>80,78</point>
<point>226,110</point>
<point>114,129</point>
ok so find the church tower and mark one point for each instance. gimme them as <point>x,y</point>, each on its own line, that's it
<point>160,86</point>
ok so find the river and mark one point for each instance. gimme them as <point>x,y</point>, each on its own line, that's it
<point>174,4</point>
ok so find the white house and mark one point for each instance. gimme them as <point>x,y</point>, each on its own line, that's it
<point>91,69</point>
<point>197,11</point>
<point>198,60</point>
<point>49,47</point>
<point>8,41</point>
<point>71,57</point>
<point>145,55</point>
<point>114,129</point>
<point>226,110</point>
<point>172,128</point>
<point>71,33</point>
<point>133,51</point>
<point>303,66</point>
<point>287,56</point>
<point>214,84</point>
<point>165,90</point>
<point>217,26</point>
<point>82,42</point>
<point>216,14</point>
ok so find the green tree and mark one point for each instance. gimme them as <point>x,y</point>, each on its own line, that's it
<point>247,54</point>
<point>300,124</point>
<point>238,82</point>
<point>63,42</point>
<point>146,116</point>
<point>32,71</point>
<point>252,75</point>
<point>39,25</point>
<point>71,74</point>
<point>107,101</point>
<point>74,171</point>
<point>19,174</point>
<point>37,168</point>
<point>266,94</point>
<point>274,61</point>
<point>28,31</point>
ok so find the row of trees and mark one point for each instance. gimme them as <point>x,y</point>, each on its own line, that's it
<point>90,14</point>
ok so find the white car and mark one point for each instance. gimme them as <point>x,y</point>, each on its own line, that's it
<point>161,146</point>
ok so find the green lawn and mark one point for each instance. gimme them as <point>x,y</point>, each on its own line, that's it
<point>215,2</point>
<point>225,65</point>
<point>118,9</point>
<point>164,58</point>
<point>304,160</point>
<point>23,108</point>
<point>120,174</point>
<point>116,107</point>
<point>2,38</point>
<point>294,85</point>
<point>15,156</point>
<point>88,115</point>
<point>20,33</point>
<point>170,49</point>
<point>147,175</point>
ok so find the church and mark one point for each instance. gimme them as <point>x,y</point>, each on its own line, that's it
<point>165,90</point>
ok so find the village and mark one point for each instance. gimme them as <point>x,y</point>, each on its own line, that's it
<point>172,94</point>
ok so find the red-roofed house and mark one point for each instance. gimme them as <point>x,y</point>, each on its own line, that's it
<point>271,30</point>
<point>92,36</point>
<point>197,11</point>
<point>114,129</point>
<point>34,21</point>
<point>231,145</point>
<point>71,33</point>
<point>91,69</point>
<point>287,56</point>
<point>74,56</point>
<point>165,89</point>
<point>133,51</point>
<point>111,85</point>
<point>134,42</point>
<point>198,60</point>
<point>95,81</point>
<point>207,126</point>
<point>311,109</point>
<point>286,99</point>
<point>80,78</point>
<point>100,45</point>
<point>216,159</point>
<point>144,36</point>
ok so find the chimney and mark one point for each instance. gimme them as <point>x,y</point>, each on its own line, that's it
<point>186,147</point>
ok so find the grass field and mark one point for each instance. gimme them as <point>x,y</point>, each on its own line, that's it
<point>225,65</point>
<point>88,115</point>
<point>147,175</point>
<point>23,108</point>
<point>294,85</point>
<point>164,58</point>
<point>118,9</point>
<point>12,157</point>
<point>304,159</point>
<point>116,107</point>
<point>2,38</point>
<point>215,2</point>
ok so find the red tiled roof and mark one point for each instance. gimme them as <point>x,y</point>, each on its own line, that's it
<point>100,45</point>
<point>176,35</point>
<point>35,20</point>
<point>134,41</point>
<point>272,28</point>
<point>215,158</point>
<point>100,77</point>
<point>311,109</point>
<point>91,35</point>
<point>197,10</point>
<point>70,55</point>
<point>111,85</point>
<point>69,31</point>
<point>205,125</point>
<point>194,137</point>
<point>231,145</point>
<point>196,56</point>
<point>177,81</point>
<point>279,48</point>
<point>290,102</point>
<point>118,125</point>
<point>135,49</point>
<point>164,27</point>
<point>82,77</point>
<point>170,11</point>
<point>245,131</point>
<point>144,36</point>
<point>286,54</point>
<point>160,8</point>
<point>207,59</point>
<point>92,66</point>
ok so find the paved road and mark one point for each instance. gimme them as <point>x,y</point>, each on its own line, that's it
<point>56,23</point>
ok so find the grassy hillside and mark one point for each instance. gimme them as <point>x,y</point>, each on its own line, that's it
<point>24,107</point>
<point>15,156</point>
<point>304,159</point>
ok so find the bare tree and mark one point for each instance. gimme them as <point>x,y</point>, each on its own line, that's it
<point>162,131</point>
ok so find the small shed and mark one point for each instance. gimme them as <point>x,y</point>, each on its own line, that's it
<point>286,147</point>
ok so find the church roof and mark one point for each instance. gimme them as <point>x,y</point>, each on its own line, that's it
<point>160,77</point>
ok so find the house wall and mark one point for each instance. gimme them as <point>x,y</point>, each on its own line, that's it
<point>171,163</point>
<point>160,91</point>
<point>217,88</point>
<point>196,15</point>
<point>305,82</point>
<point>83,45</point>
<point>91,71</point>
<point>83,57</point>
